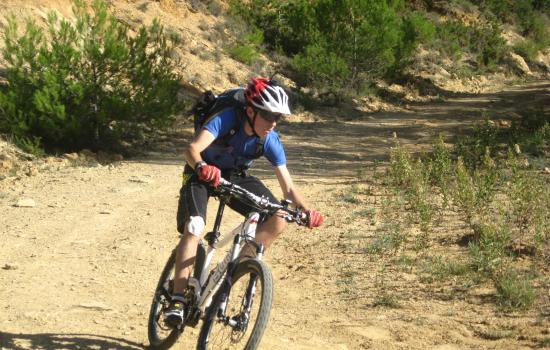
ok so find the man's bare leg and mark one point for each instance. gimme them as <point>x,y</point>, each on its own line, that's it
<point>185,258</point>
<point>266,233</point>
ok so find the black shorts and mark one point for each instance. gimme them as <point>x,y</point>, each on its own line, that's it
<point>194,195</point>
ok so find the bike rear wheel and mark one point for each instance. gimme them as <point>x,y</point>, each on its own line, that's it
<point>161,336</point>
<point>246,313</point>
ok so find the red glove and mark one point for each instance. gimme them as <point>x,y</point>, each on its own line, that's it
<point>315,219</point>
<point>209,173</point>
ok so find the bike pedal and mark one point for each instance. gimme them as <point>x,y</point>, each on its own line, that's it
<point>193,319</point>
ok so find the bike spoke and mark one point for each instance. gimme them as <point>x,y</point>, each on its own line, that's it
<point>234,330</point>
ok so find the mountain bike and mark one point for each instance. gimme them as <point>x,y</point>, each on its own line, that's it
<point>234,298</point>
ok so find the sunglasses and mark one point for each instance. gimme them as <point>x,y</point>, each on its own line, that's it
<point>272,117</point>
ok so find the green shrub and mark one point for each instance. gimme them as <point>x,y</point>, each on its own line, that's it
<point>413,179</point>
<point>503,200</point>
<point>528,213</point>
<point>489,45</point>
<point>530,132</point>
<point>401,167</point>
<point>489,253</point>
<point>388,240</point>
<point>246,54</point>
<point>527,48</point>
<point>30,145</point>
<point>539,142</point>
<point>472,149</point>
<point>440,168</point>
<point>449,38</point>
<point>425,212</point>
<point>438,268</point>
<point>514,291</point>
<point>384,299</point>
<point>247,45</point>
<point>454,38</point>
<point>317,64</point>
<point>474,190</point>
<point>464,193</point>
<point>343,44</point>
<point>88,83</point>
<point>415,29</point>
<point>528,15</point>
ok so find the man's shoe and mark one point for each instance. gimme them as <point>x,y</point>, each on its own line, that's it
<point>175,314</point>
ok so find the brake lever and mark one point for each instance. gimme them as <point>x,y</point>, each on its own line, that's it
<point>302,218</point>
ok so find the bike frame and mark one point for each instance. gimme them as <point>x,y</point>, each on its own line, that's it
<point>206,286</point>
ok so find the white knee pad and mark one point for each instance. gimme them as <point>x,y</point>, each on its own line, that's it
<point>195,225</point>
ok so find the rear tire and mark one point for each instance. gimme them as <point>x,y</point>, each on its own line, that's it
<point>218,334</point>
<point>162,337</point>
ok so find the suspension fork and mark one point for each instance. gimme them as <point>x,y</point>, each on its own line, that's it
<point>225,288</point>
<point>250,293</point>
<point>248,300</point>
<point>251,288</point>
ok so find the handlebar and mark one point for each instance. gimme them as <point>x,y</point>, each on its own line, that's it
<point>263,203</point>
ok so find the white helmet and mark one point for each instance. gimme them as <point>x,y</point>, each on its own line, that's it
<point>265,94</point>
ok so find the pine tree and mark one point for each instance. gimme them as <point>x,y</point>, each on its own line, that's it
<point>88,83</point>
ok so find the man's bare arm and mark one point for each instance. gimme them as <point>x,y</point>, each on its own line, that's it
<point>287,186</point>
<point>192,153</point>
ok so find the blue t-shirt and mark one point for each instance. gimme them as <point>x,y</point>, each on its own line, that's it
<point>241,148</point>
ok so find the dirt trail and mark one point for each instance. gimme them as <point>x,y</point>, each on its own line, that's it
<point>79,268</point>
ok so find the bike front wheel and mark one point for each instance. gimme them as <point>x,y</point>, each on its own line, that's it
<point>246,312</point>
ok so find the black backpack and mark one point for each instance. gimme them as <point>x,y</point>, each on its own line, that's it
<point>210,105</point>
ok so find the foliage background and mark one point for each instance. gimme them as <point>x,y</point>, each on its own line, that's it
<point>87,84</point>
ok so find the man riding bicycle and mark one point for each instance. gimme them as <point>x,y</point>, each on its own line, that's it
<point>251,129</point>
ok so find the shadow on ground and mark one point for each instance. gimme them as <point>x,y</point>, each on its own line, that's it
<point>10,341</point>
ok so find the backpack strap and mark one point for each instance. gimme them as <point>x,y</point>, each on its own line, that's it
<point>261,142</point>
<point>260,147</point>
<point>223,140</point>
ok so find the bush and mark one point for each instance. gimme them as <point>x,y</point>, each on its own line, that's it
<point>488,254</point>
<point>413,178</point>
<point>415,29</point>
<point>529,16</point>
<point>528,212</point>
<point>502,200</point>
<point>439,268</point>
<point>243,53</point>
<point>401,167</point>
<point>514,291</point>
<point>527,49</point>
<point>440,168</point>
<point>325,68</point>
<point>537,38</point>
<point>475,189</point>
<point>86,84</point>
<point>246,50</point>
<point>338,45</point>
<point>531,133</point>
<point>484,42</point>
<point>388,240</point>
<point>472,149</point>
